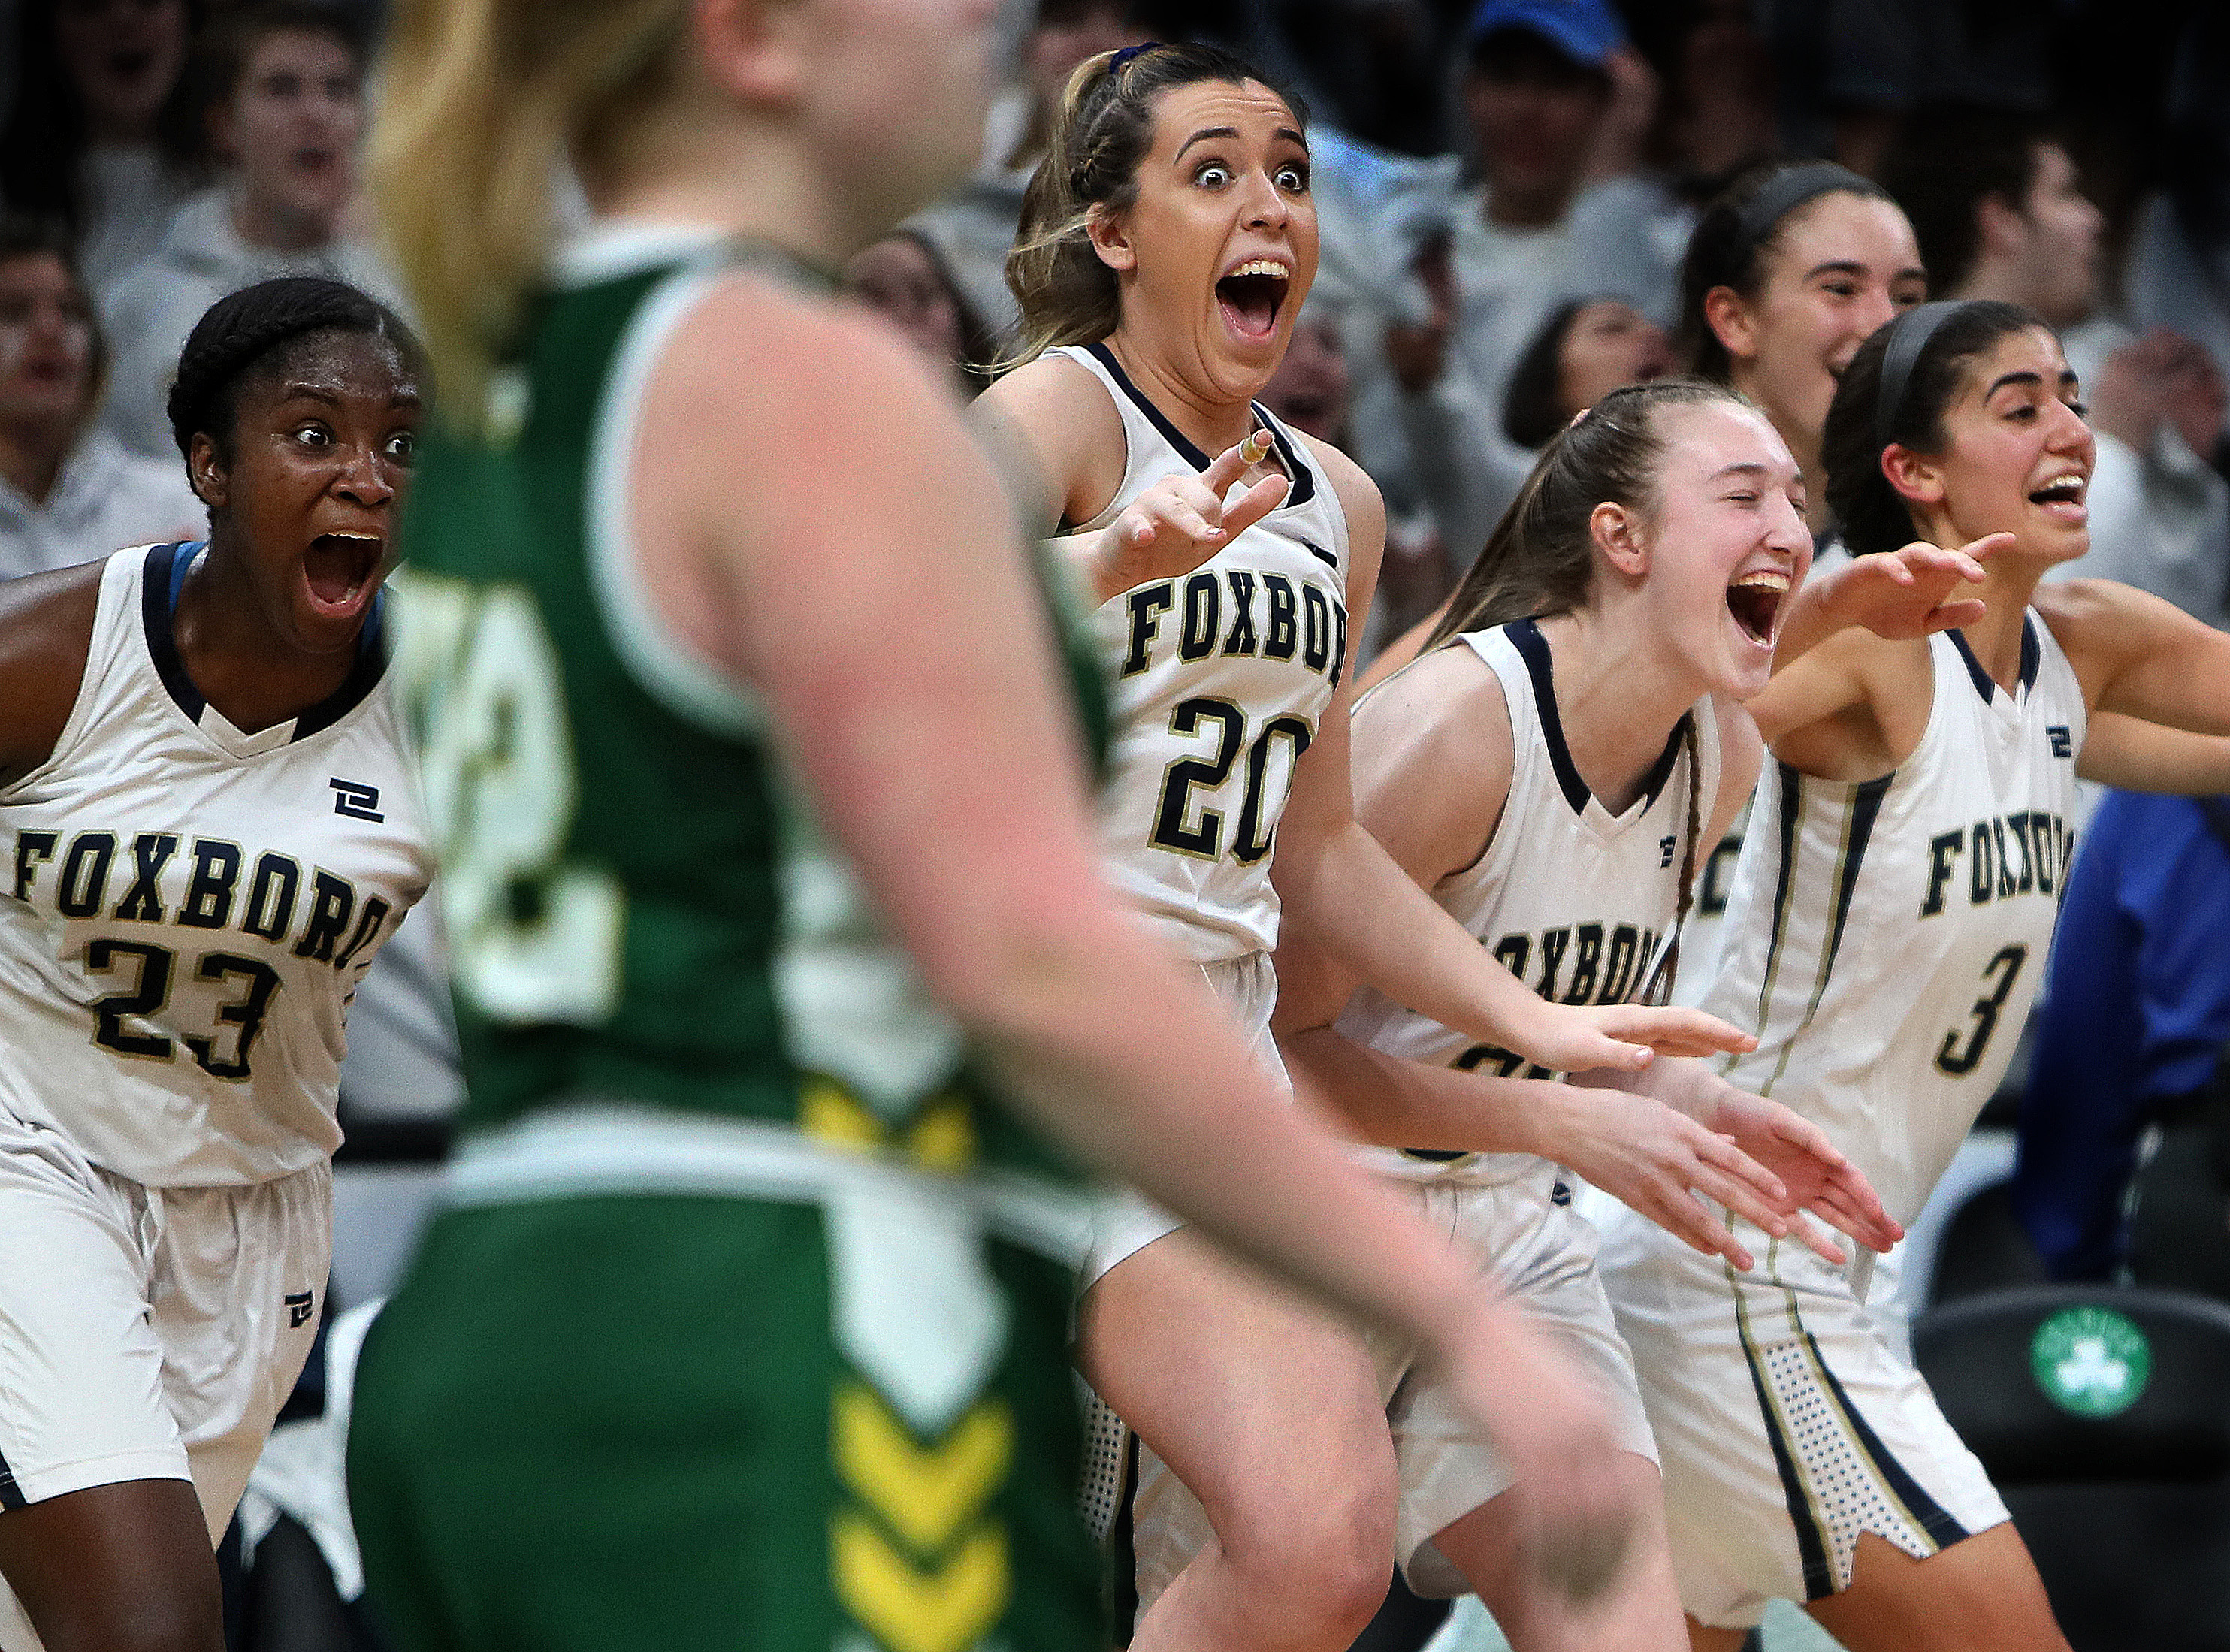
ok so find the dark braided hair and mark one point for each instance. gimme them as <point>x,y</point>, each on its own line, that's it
<point>1873,515</point>
<point>243,331</point>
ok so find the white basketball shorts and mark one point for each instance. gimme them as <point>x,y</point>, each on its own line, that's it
<point>1788,1420</point>
<point>147,1332</point>
<point>1126,1222</point>
<point>1528,1241</point>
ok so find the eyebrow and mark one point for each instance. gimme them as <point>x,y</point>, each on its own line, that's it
<point>409,398</point>
<point>1206,132</point>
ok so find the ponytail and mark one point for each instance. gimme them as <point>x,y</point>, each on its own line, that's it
<point>484,101</point>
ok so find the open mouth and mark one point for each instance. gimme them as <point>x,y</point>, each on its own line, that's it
<point>338,568</point>
<point>313,160</point>
<point>2063,495</point>
<point>1755,601</point>
<point>1252,295</point>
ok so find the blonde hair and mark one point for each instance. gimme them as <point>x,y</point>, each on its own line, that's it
<point>482,101</point>
<point>1101,132</point>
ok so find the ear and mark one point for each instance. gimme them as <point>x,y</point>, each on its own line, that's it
<point>750,50</point>
<point>1617,531</point>
<point>1111,239</point>
<point>1726,312</point>
<point>210,476</point>
<point>1915,476</point>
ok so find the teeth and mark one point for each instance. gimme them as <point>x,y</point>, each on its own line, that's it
<point>1764,579</point>
<point>1261,267</point>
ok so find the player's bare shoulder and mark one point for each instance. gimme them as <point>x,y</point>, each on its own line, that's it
<point>46,634</point>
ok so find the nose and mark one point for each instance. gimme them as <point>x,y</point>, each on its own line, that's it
<point>1267,205</point>
<point>365,478</point>
<point>1874,311</point>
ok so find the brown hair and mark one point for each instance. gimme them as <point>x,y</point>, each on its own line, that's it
<point>1100,132</point>
<point>490,97</point>
<point>1540,558</point>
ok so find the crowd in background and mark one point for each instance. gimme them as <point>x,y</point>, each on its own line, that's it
<point>1506,191</point>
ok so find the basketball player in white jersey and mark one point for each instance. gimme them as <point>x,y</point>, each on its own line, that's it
<point>1168,242</point>
<point>207,829</point>
<point>1552,777</point>
<point>1886,932</point>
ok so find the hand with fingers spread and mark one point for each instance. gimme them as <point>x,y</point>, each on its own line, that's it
<point>1663,1164</point>
<point>1814,1173</point>
<point>1914,591</point>
<point>1182,521</point>
<point>1574,1038</point>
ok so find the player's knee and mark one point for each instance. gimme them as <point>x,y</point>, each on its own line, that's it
<point>1319,1561</point>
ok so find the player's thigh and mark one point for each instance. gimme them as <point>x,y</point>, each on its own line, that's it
<point>124,1567</point>
<point>1261,1403</point>
<point>1981,1594</point>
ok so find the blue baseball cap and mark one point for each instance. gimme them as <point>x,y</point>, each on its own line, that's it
<point>1587,31</point>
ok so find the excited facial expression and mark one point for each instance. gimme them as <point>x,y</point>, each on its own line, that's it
<point>2016,457</point>
<point>123,57</point>
<point>1844,265</point>
<point>46,343</point>
<point>321,448</point>
<point>293,124</point>
<point>1218,250</point>
<point>1727,542</point>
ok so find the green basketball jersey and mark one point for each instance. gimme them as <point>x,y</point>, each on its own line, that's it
<point>640,905</point>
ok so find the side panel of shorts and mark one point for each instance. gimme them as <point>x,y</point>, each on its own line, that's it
<point>1126,1222</point>
<point>81,1398</point>
<point>1526,1239</point>
<point>1787,1424</point>
<point>657,1421</point>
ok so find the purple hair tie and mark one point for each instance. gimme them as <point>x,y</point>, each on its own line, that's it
<point>1116,63</point>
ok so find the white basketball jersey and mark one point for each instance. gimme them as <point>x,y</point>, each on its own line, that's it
<point>1884,939</point>
<point>1573,899</point>
<point>1221,677</point>
<point>189,908</point>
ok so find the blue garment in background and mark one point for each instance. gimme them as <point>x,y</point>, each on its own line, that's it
<point>2136,1013</point>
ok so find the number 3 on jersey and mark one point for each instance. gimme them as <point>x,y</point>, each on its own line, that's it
<point>1226,724</point>
<point>533,936</point>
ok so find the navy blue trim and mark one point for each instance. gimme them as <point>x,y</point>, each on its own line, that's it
<point>2032,657</point>
<point>1937,1521</point>
<point>160,583</point>
<point>1301,474</point>
<point>1784,880</point>
<point>1811,1541</point>
<point>165,577</point>
<point>11,1495</point>
<point>1533,648</point>
<point>1866,807</point>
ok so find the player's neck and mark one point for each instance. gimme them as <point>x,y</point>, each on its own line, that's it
<point>1616,699</point>
<point>1211,417</point>
<point>235,656</point>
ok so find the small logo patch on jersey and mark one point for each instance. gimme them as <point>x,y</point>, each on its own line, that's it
<point>2063,740</point>
<point>300,1306</point>
<point>1664,847</point>
<point>355,799</point>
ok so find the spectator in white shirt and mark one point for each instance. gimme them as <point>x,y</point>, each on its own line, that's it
<point>103,135</point>
<point>288,114</point>
<point>67,494</point>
